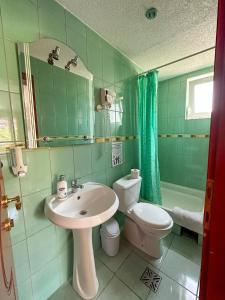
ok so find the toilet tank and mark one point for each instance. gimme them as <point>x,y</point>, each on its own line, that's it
<point>128,191</point>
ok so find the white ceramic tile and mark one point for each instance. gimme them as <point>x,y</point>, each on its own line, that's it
<point>182,270</point>
<point>113,263</point>
<point>130,273</point>
<point>129,266</point>
<point>65,292</point>
<point>188,248</point>
<point>116,290</point>
<point>170,290</point>
<point>104,275</point>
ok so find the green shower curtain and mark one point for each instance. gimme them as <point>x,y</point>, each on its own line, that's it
<point>148,137</point>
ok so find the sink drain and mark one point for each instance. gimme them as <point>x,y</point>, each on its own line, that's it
<point>83,212</point>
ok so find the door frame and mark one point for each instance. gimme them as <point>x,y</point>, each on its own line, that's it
<point>212,281</point>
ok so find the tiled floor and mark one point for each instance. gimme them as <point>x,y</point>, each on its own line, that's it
<point>119,276</point>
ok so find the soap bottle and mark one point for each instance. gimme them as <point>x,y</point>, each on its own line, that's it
<point>62,187</point>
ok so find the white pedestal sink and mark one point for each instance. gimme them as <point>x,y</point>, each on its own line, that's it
<point>80,211</point>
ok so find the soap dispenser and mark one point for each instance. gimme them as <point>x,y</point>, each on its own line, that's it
<point>62,187</point>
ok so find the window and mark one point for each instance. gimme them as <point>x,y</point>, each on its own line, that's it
<point>199,97</point>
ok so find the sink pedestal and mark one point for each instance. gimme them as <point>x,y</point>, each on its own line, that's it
<point>99,203</point>
<point>85,281</point>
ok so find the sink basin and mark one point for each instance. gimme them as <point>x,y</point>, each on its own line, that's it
<point>90,206</point>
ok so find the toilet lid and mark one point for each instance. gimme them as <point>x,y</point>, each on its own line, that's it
<point>152,215</point>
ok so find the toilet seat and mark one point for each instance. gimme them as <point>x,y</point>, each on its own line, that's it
<point>151,216</point>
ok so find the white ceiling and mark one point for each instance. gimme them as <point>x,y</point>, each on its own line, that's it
<point>181,28</point>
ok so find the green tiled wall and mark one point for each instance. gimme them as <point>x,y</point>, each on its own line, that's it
<point>71,109</point>
<point>182,161</point>
<point>42,251</point>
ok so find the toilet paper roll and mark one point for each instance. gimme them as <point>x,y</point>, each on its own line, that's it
<point>13,213</point>
<point>135,173</point>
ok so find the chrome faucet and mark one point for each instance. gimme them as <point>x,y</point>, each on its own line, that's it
<point>76,186</point>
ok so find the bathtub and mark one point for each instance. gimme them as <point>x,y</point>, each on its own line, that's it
<point>188,201</point>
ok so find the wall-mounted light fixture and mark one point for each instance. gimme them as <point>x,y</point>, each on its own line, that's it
<point>73,62</point>
<point>53,55</point>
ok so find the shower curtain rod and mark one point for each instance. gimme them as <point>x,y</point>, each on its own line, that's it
<point>175,61</point>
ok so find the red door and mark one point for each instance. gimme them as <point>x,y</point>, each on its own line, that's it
<point>212,285</point>
<point>7,287</point>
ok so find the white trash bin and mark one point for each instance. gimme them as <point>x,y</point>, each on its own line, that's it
<point>110,237</point>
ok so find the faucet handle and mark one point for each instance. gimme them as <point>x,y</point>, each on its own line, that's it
<point>76,186</point>
<point>74,182</point>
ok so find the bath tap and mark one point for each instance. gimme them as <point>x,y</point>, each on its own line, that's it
<point>76,186</point>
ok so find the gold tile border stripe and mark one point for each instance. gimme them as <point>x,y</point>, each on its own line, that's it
<point>184,135</point>
<point>115,139</point>
<point>100,140</point>
<point>6,146</point>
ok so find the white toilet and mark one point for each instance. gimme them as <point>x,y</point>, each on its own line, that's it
<point>146,224</point>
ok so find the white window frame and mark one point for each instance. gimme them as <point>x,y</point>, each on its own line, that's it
<point>191,82</point>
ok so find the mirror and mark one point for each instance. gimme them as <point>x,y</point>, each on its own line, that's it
<point>57,94</point>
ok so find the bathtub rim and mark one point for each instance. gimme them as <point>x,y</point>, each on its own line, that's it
<point>183,189</point>
<point>199,194</point>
